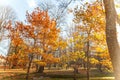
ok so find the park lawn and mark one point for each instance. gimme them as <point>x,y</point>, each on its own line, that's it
<point>57,75</point>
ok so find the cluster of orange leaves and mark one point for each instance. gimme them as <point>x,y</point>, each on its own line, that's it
<point>37,37</point>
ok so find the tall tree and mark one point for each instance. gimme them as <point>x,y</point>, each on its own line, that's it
<point>45,33</point>
<point>111,36</point>
<point>17,48</point>
<point>6,14</point>
<point>40,35</point>
<point>90,21</point>
<point>57,9</point>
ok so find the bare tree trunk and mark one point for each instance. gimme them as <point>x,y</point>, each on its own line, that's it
<point>5,64</point>
<point>88,61</point>
<point>111,36</point>
<point>29,65</point>
<point>41,69</point>
<point>74,75</point>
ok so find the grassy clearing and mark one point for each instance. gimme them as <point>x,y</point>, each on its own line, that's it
<point>55,75</point>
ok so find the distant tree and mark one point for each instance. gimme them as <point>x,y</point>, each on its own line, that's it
<point>43,32</point>
<point>90,20</point>
<point>34,42</point>
<point>6,14</point>
<point>17,53</point>
<point>56,10</point>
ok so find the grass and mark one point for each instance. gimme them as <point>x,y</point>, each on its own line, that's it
<point>56,75</point>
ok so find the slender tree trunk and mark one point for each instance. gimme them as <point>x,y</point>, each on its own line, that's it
<point>37,67</point>
<point>88,61</point>
<point>111,36</point>
<point>5,64</point>
<point>74,75</point>
<point>49,66</point>
<point>41,69</point>
<point>99,66</point>
<point>29,65</point>
<point>75,71</point>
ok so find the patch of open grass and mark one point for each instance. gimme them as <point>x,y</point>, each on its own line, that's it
<point>97,73</point>
<point>61,75</point>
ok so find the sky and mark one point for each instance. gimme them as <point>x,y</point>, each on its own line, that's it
<point>20,7</point>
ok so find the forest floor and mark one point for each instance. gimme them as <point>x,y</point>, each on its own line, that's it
<point>20,74</point>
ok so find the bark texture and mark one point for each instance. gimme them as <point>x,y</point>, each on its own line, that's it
<point>111,36</point>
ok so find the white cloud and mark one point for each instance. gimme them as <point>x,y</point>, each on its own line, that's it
<point>32,3</point>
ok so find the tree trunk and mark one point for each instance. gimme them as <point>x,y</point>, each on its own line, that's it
<point>75,72</point>
<point>5,64</point>
<point>88,60</point>
<point>111,36</point>
<point>99,66</point>
<point>49,66</point>
<point>41,69</point>
<point>37,67</point>
<point>29,65</point>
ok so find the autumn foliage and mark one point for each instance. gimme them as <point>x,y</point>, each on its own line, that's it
<point>38,43</point>
<point>38,37</point>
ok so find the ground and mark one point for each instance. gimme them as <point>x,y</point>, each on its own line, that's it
<point>19,74</point>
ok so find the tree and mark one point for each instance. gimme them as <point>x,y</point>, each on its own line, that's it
<point>90,20</point>
<point>103,57</point>
<point>6,14</point>
<point>16,56</point>
<point>56,11</point>
<point>46,34</point>
<point>111,36</point>
<point>36,41</point>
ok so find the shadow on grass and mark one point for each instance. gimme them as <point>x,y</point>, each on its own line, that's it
<point>60,75</point>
